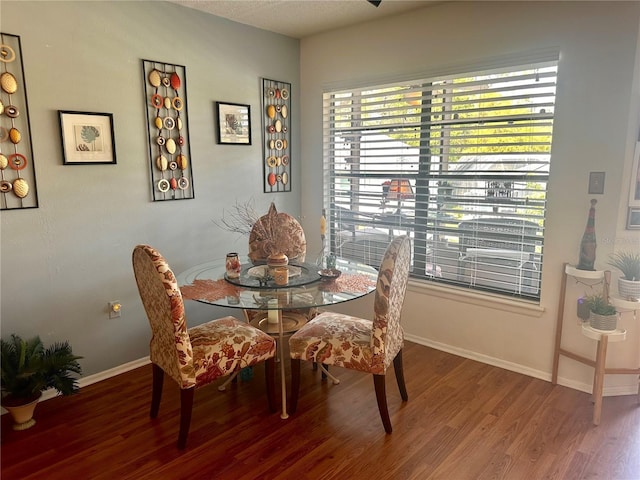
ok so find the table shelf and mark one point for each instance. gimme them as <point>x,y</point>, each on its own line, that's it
<point>601,336</point>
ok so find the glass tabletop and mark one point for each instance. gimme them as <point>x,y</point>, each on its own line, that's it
<point>207,283</point>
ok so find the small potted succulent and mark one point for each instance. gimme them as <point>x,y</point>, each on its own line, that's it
<point>629,264</point>
<point>28,368</point>
<point>603,315</point>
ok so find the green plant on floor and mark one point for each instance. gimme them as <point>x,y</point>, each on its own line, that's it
<point>628,263</point>
<point>28,368</point>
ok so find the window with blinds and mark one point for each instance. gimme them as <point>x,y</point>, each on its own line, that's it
<point>459,163</point>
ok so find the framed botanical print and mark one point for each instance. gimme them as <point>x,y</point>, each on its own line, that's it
<point>87,138</point>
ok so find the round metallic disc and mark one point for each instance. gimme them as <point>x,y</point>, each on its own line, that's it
<point>279,144</point>
<point>20,187</point>
<point>284,93</point>
<point>285,160</point>
<point>183,183</point>
<point>271,129</point>
<point>5,186</point>
<point>285,129</point>
<point>154,78</point>
<point>8,83</point>
<point>178,104</point>
<point>279,108</point>
<point>166,82</point>
<point>169,123</point>
<point>279,178</point>
<point>271,92</point>
<point>161,140</point>
<point>173,165</point>
<point>164,185</point>
<point>17,161</point>
<point>157,100</point>
<point>162,163</point>
<point>7,54</point>
<point>181,140</point>
<point>271,161</point>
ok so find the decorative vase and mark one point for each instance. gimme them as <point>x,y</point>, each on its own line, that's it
<point>22,414</point>
<point>588,243</point>
<point>629,289</point>
<point>603,322</point>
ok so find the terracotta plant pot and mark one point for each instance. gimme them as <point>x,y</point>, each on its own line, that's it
<point>22,414</point>
<point>603,322</point>
<point>629,289</point>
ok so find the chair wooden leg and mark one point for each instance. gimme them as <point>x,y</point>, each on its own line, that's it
<point>156,390</point>
<point>270,377</point>
<point>381,397</point>
<point>186,406</point>
<point>397,367</point>
<point>295,384</point>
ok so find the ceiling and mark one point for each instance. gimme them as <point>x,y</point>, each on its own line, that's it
<point>301,18</point>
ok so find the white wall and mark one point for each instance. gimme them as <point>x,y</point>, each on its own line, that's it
<point>62,263</point>
<point>596,126</point>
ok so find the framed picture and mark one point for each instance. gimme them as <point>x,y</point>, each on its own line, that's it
<point>633,221</point>
<point>87,138</point>
<point>234,123</point>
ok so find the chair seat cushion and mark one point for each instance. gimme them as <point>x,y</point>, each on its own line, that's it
<point>219,345</point>
<point>334,339</point>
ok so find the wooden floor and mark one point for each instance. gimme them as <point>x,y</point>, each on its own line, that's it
<point>463,420</point>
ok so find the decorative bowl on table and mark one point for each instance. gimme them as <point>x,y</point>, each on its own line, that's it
<point>328,274</point>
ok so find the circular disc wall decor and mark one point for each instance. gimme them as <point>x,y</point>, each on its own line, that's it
<point>165,87</point>
<point>276,135</point>
<point>17,173</point>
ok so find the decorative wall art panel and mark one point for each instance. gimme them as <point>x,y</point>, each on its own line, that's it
<point>168,125</point>
<point>17,172</point>
<point>276,134</point>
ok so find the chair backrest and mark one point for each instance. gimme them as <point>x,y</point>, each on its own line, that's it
<point>170,346</point>
<point>387,337</point>
<point>277,233</point>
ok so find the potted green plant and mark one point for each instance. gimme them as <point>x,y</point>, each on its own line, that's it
<point>28,368</point>
<point>629,264</point>
<point>603,315</point>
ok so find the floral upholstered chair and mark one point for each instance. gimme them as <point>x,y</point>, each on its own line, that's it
<point>193,357</point>
<point>361,344</point>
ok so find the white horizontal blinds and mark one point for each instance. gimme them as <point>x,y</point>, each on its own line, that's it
<point>460,163</point>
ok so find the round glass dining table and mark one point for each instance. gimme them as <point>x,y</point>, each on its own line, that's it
<point>256,290</point>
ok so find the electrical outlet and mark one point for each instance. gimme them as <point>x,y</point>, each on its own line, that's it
<point>115,309</point>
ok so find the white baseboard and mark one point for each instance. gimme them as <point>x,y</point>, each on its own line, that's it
<point>631,389</point>
<point>97,377</point>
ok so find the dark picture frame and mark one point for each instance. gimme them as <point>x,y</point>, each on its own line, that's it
<point>234,123</point>
<point>87,138</point>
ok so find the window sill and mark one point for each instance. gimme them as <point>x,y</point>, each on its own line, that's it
<point>482,299</point>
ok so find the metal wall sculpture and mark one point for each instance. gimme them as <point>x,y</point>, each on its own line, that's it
<point>17,172</point>
<point>168,126</point>
<point>276,134</point>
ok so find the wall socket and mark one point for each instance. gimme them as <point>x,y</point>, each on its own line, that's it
<point>115,309</point>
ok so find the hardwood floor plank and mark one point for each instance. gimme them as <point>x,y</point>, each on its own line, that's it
<point>464,420</point>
